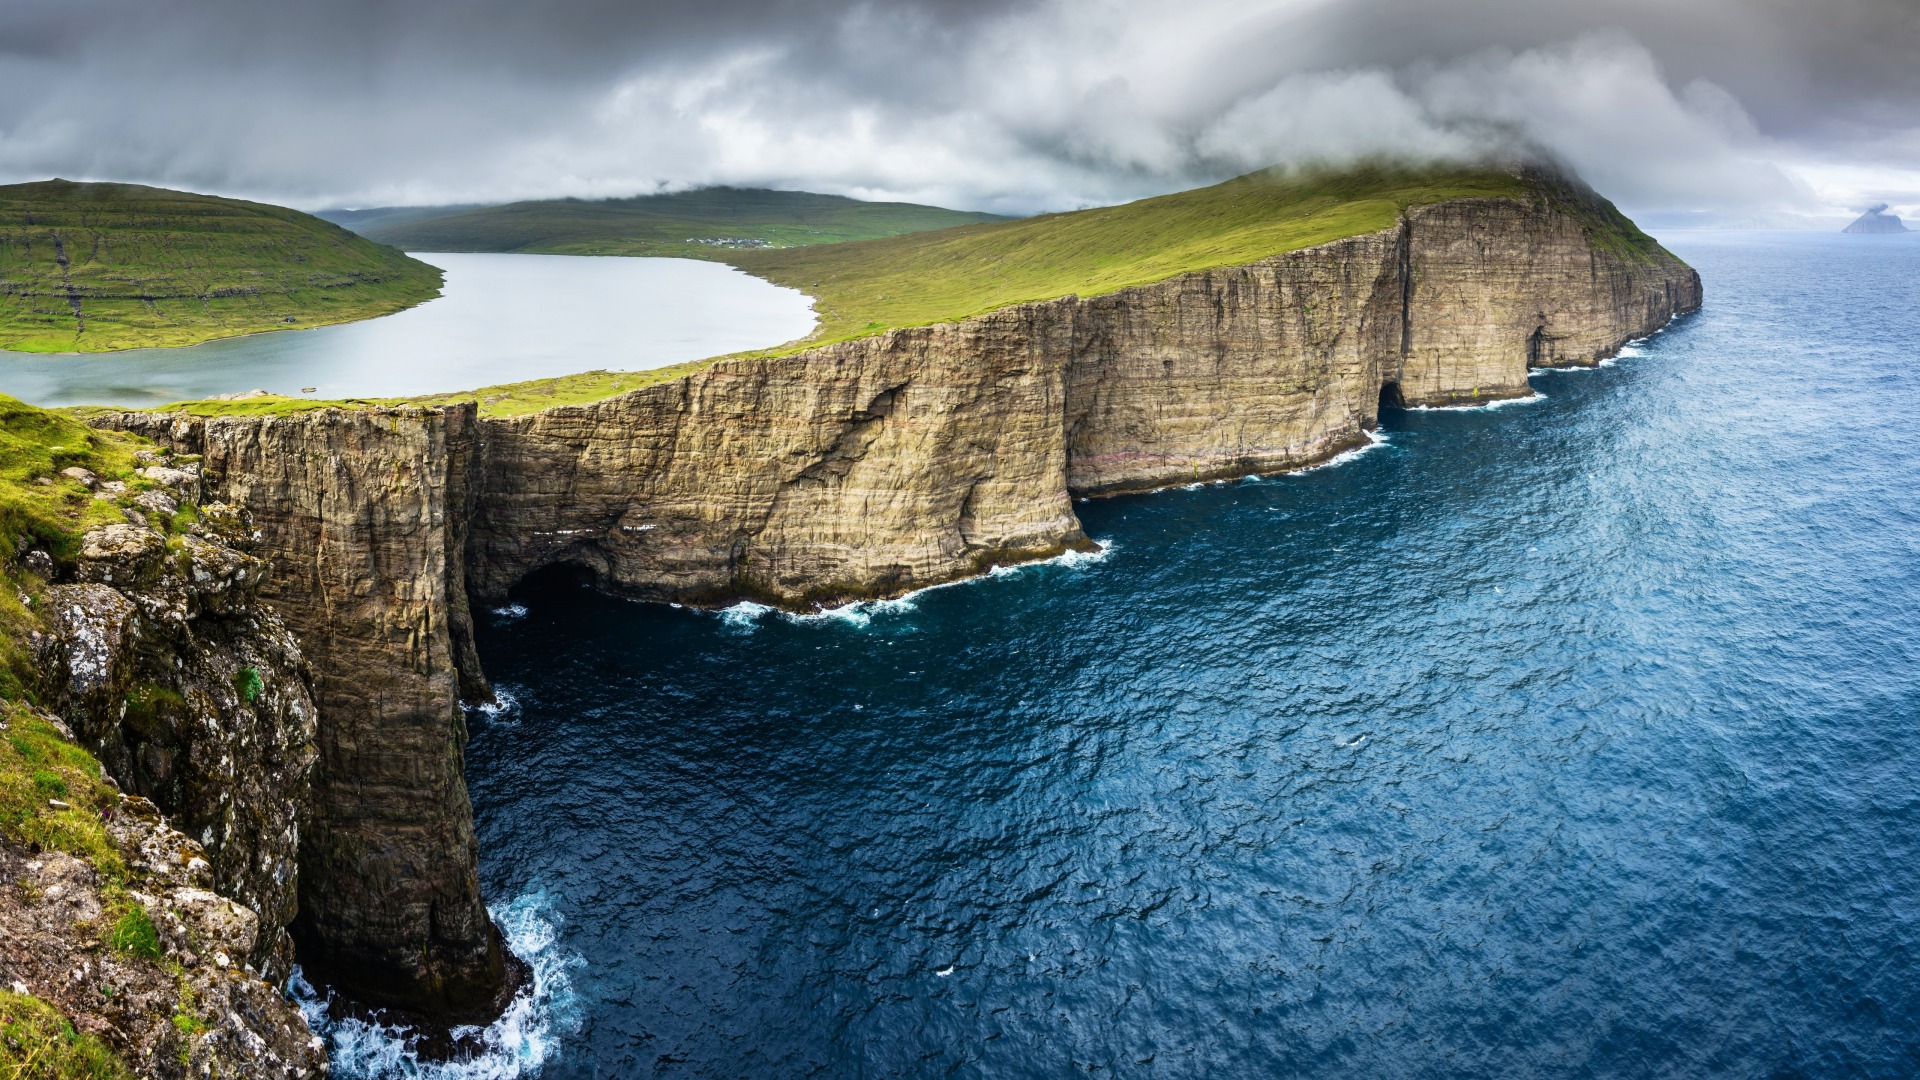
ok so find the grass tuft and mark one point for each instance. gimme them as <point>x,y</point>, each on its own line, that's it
<point>247,683</point>
<point>37,766</point>
<point>38,1043</point>
<point>134,933</point>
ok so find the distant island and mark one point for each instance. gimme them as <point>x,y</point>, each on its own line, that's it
<point>102,267</point>
<point>1877,220</point>
<point>702,224</point>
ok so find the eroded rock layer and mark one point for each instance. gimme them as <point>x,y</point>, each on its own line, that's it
<point>362,515</point>
<point>858,469</point>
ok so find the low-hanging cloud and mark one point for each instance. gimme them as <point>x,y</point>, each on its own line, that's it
<point>1020,105</point>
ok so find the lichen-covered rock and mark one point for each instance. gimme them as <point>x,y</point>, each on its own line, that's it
<point>91,643</point>
<point>193,693</point>
<point>183,1012</point>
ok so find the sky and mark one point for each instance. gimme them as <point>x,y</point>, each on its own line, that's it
<point>1717,111</point>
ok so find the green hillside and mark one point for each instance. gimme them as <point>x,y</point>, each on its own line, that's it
<point>866,288</point>
<point>363,221</point>
<point>98,267</point>
<point>711,223</point>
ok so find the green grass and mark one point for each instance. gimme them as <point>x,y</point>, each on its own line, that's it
<point>100,267</point>
<point>247,683</point>
<point>134,934</point>
<point>658,225</point>
<point>38,1043</point>
<point>31,751</point>
<point>507,399</point>
<point>37,444</point>
<point>867,287</point>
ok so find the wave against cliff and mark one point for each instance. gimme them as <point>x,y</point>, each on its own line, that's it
<point>848,472</point>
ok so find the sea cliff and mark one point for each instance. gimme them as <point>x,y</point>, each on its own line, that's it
<point>862,468</point>
<point>156,742</point>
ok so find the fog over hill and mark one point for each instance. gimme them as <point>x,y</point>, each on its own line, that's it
<point>1739,110</point>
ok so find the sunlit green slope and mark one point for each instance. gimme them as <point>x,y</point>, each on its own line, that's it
<point>97,267</point>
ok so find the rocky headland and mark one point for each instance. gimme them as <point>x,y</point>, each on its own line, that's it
<point>862,468</point>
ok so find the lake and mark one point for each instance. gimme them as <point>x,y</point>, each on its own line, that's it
<point>502,318</point>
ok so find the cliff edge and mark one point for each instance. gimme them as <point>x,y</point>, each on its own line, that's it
<point>156,738</point>
<point>855,468</point>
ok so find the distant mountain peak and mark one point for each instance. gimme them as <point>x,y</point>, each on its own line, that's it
<point>1877,220</point>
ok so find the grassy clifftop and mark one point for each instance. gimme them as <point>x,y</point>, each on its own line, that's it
<point>866,288</point>
<point>869,287</point>
<point>711,223</point>
<point>99,267</point>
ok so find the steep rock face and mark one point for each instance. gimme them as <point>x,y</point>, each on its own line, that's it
<point>193,694</point>
<point>361,515</point>
<point>887,463</point>
<point>858,469</point>
<point>865,467</point>
<point>1248,369</point>
<point>1497,286</point>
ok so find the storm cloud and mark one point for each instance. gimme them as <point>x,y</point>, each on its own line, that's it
<point>1725,106</point>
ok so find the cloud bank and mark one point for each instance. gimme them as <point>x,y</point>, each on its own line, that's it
<point>1722,106</point>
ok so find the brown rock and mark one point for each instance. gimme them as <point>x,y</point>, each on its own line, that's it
<point>858,469</point>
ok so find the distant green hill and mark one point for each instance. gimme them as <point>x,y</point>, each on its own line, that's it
<point>361,220</point>
<point>711,223</point>
<point>869,287</point>
<point>97,267</point>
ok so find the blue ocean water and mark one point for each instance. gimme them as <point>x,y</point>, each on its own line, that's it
<point>1576,738</point>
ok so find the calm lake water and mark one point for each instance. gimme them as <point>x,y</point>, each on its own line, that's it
<point>502,318</point>
<point>1571,738</point>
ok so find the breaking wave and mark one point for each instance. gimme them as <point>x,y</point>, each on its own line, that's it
<point>747,615</point>
<point>504,706</point>
<point>1375,438</point>
<point>522,1041</point>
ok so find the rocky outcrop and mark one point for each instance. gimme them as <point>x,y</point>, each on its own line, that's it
<point>164,936</point>
<point>208,1016</point>
<point>361,515</point>
<point>160,657</point>
<point>858,469</point>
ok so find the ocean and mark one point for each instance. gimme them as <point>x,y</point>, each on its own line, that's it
<point>1575,737</point>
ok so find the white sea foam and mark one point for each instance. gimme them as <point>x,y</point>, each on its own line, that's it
<point>519,1044</point>
<point>1631,350</point>
<point>744,615</point>
<point>1374,438</point>
<point>503,706</point>
<point>511,611</point>
<point>747,614</point>
<point>1502,403</point>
